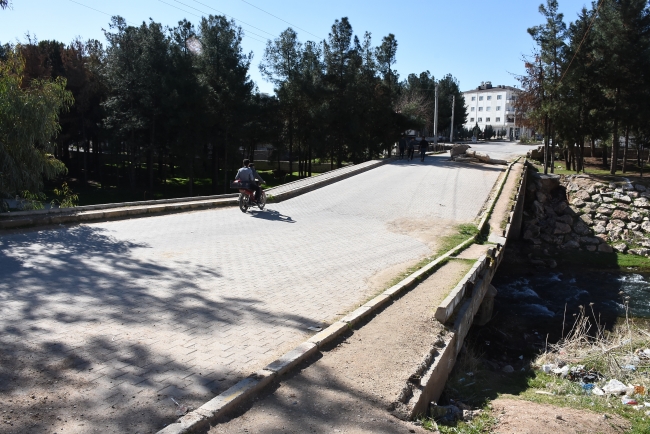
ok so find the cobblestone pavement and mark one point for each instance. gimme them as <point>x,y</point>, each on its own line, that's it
<point>113,319</point>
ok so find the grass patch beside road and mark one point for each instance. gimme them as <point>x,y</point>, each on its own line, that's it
<point>461,233</point>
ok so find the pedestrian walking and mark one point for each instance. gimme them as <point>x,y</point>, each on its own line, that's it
<point>402,146</point>
<point>411,149</point>
<point>424,145</point>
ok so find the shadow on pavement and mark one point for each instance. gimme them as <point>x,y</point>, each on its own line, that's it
<point>91,341</point>
<point>272,215</point>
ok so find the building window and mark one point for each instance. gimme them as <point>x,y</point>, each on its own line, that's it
<point>487,119</point>
<point>498,108</point>
<point>480,119</point>
<point>480,98</point>
<point>480,109</point>
<point>471,119</point>
<point>489,97</point>
<point>487,109</point>
<point>472,109</point>
<point>498,96</point>
<point>473,98</point>
<point>498,119</point>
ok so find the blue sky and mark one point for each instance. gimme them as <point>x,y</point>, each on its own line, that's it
<point>471,39</point>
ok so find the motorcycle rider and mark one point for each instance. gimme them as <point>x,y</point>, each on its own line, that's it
<point>245,175</point>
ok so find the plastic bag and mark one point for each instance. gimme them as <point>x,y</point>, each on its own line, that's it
<point>548,368</point>
<point>615,387</point>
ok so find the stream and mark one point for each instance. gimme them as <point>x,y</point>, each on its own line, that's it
<point>529,309</point>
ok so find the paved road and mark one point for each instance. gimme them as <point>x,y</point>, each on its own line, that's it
<point>502,150</point>
<point>117,317</point>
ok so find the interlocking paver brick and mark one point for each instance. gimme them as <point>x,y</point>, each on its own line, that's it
<point>154,303</point>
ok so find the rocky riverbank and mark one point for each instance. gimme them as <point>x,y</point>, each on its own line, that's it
<point>580,212</point>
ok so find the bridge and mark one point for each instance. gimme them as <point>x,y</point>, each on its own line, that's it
<point>109,320</point>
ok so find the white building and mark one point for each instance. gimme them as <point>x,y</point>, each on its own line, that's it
<point>493,105</point>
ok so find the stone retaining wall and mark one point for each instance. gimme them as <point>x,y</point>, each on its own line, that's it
<point>579,212</point>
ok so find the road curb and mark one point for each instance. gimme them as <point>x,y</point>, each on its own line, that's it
<point>465,299</point>
<point>146,208</point>
<point>492,204</point>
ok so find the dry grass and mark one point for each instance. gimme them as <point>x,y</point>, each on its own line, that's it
<point>608,352</point>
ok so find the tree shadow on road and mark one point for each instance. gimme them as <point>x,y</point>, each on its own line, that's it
<point>80,325</point>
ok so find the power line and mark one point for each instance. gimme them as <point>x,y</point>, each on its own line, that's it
<point>96,10</point>
<point>199,16</point>
<point>274,16</point>
<point>580,45</point>
<point>224,14</point>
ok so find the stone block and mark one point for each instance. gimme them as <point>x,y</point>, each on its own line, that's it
<point>605,248</point>
<point>186,424</point>
<point>378,302</point>
<point>299,354</point>
<point>329,334</point>
<point>561,228</point>
<point>356,316</point>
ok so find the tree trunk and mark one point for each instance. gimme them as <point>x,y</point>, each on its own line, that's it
<point>225,168</point>
<point>546,134</point>
<point>309,156</point>
<point>627,138</point>
<point>615,140</point>
<point>552,149</point>
<point>150,158</point>
<point>593,147</point>
<point>132,169</point>
<point>567,158</point>
<point>190,171</point>
<point>161,166</point>
<point>642,164</point>
<point>581,161</point>
<point>291,145</point>
<point>86,150</point>
<point>574,159</point>
<point>215,169</point>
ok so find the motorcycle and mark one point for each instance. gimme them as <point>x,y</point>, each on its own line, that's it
<point>247,196</point>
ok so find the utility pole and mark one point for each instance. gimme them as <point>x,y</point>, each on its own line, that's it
<point>435,121</point>
<point>451,134</point>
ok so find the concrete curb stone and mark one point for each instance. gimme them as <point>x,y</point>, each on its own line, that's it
<point>357,315</point>
<point>329,334</point>
<point>292,358</point>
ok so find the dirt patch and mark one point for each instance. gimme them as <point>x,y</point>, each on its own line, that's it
<point>428,231</point>
<point>350,388</point>
<point>474,251</point>
<point>522,417</point>
<point>502,207</point>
